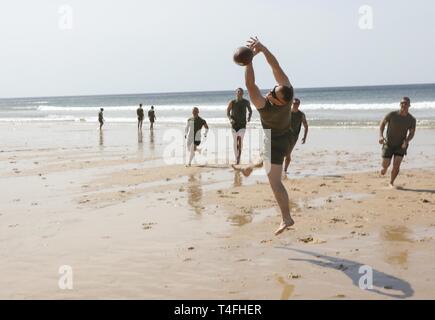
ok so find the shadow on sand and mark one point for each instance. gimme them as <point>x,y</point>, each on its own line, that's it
<point>416,190</point>
<point>351,269</point>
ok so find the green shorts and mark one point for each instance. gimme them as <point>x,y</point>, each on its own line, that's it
<point>389,151</point>
<point>276,148</point>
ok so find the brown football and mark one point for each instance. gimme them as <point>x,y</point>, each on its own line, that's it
<point>243,56</point>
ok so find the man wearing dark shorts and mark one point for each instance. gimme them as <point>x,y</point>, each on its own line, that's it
<point>401,130</point>
<point>274,110</point>
<point>193,132</point>
<point>140,116</point>
<point>297,118</point>
<point>152,117</point>
<point>236,113</point>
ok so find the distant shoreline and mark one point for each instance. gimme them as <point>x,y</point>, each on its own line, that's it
<point>216,91</point>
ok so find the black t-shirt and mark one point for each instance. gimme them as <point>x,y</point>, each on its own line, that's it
<point>238,112</point>
<point>151,115</point>
<point>296,122</point>
<point>140,113</point>
<point>197,124</point>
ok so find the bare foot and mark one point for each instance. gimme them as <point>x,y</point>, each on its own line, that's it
<point>284,225</point>
<point>383,171</point>
<point>392,186</point>
<point>245,171</point>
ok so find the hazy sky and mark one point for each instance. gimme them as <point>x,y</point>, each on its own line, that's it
<point>141,46</point>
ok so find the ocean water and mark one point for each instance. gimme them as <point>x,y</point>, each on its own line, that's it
<point>324,107</point>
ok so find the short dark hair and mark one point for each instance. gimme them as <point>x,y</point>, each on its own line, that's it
<point>140,104</point>
<point>152,107</point>
<point>240,89</point>
<point>101,109</point>
<point>407,99</point>
<point>296,100</point>
<point>287,93</point>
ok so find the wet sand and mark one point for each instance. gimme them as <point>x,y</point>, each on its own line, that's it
<point>131,227</point>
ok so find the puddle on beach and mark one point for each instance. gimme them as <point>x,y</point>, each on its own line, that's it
<point>287,289</point>
<point>400,233</point>
<point>239,220</point>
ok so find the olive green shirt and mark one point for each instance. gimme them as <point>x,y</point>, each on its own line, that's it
<point>275,118</point>
<point>398,127</point>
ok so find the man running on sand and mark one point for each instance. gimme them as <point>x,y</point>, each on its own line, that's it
<point>193,132</point>
<point>297,119</point>
<point>274,110</point>
<point>236,113</point>
<point>401,130</point>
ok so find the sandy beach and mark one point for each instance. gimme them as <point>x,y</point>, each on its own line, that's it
<point>132,226</point>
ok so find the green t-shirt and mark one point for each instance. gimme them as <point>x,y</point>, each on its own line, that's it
<point>238,111</point>
<point>275,118</point>
<point>398,127</point>
<point>296,122</point>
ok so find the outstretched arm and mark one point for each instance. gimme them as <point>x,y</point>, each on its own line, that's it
<point>280,76</point>
<point>254,92</point>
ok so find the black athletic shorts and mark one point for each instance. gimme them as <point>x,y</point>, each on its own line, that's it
<point>237,127</point>
<point>277,147</point>
<point>389,151</point>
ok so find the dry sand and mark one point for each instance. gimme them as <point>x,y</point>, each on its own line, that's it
<point>132,228</point>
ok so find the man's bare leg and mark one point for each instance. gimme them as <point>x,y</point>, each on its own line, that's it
<point>281,197</point>
<point>239,149</point>
<point>396,169</point>
<point>385,164</point>
<point>192,150</point>
<point>288,158</point>
<point>247,170</point>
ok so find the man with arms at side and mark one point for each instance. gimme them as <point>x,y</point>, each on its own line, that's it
<point>297,119</point>
<point>140,116</point>
<point>101,118</point>
<point>400,131</point>
<point>152,117</point>
<point>236,113</point>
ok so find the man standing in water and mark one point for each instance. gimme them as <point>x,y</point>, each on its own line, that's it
<point>152,117</point>
<point>140,116</point>
<point>236,113</point>
<point>193,133</point>
<point>101,118</point>
<point>297,118</point>
<point>274,110</point>
<point>401,130</point>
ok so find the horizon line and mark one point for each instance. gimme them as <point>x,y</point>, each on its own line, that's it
<point>208,91</point>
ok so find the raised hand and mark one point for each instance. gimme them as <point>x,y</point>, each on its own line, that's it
<point>255,45</point>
